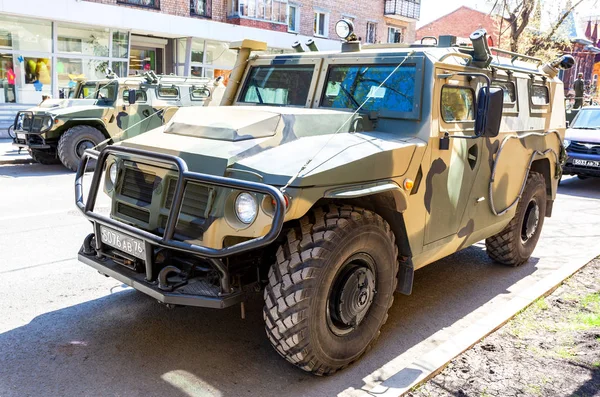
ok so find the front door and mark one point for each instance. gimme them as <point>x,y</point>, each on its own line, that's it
<point>132,120</point>
<point>452,171</point>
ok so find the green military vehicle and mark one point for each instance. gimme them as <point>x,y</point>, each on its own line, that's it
<point>106,111</point>
<point>332,179</point>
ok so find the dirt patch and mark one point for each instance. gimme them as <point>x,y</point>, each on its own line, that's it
<point>550,349</point>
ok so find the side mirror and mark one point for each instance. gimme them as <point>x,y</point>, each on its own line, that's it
<point>489,112</point>
<point>131,97</point>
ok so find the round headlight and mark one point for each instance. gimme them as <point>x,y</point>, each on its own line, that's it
<point>344,28</point>
<point>566,143</point>
<point>112,173</point>
<point>246,208</point>
<point>46,123</point>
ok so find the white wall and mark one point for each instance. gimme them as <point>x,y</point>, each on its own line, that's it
<point>148,22</point>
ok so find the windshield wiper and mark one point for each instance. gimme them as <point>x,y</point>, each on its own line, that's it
<point>255,85</point>
<point>586,128</point>
<point>349,95</point>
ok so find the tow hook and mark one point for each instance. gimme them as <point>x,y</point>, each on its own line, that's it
<point>89,245</point>
<point>163,282</point>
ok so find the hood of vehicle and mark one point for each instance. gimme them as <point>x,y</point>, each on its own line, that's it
<point>67,106</point>
<point>277,143</point>
<point>577,135</point>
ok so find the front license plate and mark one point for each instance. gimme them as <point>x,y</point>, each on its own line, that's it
<point>129,245</point>
<point>587,163</point>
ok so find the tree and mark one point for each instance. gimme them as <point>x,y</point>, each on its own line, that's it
<point>520,27</point>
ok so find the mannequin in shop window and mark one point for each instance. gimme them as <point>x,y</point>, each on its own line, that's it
<point>10,79</point>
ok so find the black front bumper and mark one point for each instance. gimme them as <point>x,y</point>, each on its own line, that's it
<point>191,293</point>
<point>27,137</point>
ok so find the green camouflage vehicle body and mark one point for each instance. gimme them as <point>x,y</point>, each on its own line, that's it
<point>100,111</point>
<point>334,177</point>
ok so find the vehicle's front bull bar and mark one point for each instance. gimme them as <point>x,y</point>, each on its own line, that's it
<point>167,239</point>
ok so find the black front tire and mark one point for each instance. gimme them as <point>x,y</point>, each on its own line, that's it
<point>43,157</point>
<point>322,260</point>
<point>514,245</point>
<point>73,143</point>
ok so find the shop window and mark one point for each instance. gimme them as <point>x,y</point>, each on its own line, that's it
<point>321,24</point>
<point>540,95</point>
<point>8,79</point>
<point>168,92</point>
<point>25,34</point>
<point>120,45</point>
<point>458,104</point>
<point>71,70</point>
<point>119,68</point>
<point>142,60</point>
<point>371,37</point>
<point>82,40</point>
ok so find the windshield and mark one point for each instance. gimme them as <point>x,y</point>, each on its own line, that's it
<point>348,87</point>
<point>94,90</point>
<point>279,85</point>
<point>587,119</point>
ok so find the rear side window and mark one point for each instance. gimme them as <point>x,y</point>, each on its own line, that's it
<point>540,95</point>
<point>509,90</point>
<point>279,85</point>
<point>199,93</point>
<point>168,92</point>
<point>458,104</point>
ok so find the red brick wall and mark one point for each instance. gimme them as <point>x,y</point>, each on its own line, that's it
<point>363,11</point>
<point>461,23</point>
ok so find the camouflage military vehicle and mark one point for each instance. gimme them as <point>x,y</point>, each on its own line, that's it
<point>334,177</point>
<point>105,111</point>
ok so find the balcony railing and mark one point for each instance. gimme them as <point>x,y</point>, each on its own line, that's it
<point>201,8</point>
<point>403,8</point>
<point>154,4</point>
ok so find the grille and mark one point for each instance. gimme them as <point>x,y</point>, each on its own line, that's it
<point>195,199</point>
<point>138,185</point>
<point>133,212</point>
<point>578,147</point>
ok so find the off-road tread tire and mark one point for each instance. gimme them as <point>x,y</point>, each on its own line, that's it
<point>44,158</point>
<point>294,277</point>
<point>504,246</point>
<point>66,147</point>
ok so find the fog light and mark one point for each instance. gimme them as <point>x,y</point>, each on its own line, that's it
<point>246,208</point>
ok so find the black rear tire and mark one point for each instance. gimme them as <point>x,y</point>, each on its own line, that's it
<point>74,142</point>
<point>332,286</point>
<point>43,157</point>
<point>514,245</point>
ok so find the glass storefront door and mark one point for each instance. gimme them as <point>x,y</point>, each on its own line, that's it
<point>144,59</point>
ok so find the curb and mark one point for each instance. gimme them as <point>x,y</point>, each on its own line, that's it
<point>17,162</point>
<point>435,361</point>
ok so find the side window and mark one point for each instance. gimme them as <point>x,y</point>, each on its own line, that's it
<point>458,104</point>
<point>509,90</point>
<point>540,95</point>
<point>168,92</point>
<point>199,93</point>
<point>140,96</point>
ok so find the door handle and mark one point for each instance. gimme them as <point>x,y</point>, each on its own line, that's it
<point>472,156</point>
<point>146,113</point>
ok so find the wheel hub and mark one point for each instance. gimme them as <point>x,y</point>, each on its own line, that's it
<point>83,146</point>
<point>351,297</point>
<point>531,221</point>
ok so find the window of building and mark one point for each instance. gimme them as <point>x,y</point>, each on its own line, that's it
<point>293,18</point>
<point>25,34</point>
<point>142,3</point>
<point>540,95</point>
<point>120,45</point>
<point>281,85</point>
<point>201,8</point>
<point>371,37</point>
<point>458,104</point>
<point>395,35</point>
<point>269,10</point>
<point>321,24</point>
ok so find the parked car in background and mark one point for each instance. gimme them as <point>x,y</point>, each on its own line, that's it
<point>107,111</point>
<point>582,142</point>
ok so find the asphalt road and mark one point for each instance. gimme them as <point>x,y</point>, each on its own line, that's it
<point>65,330</point>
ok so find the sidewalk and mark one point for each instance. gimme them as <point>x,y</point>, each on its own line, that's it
<point>9,154</point>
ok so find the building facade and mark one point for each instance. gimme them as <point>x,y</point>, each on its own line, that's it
<point>45,46</point>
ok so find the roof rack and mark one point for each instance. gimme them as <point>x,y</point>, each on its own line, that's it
<point>166,78</point>
<point>514,56</point>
